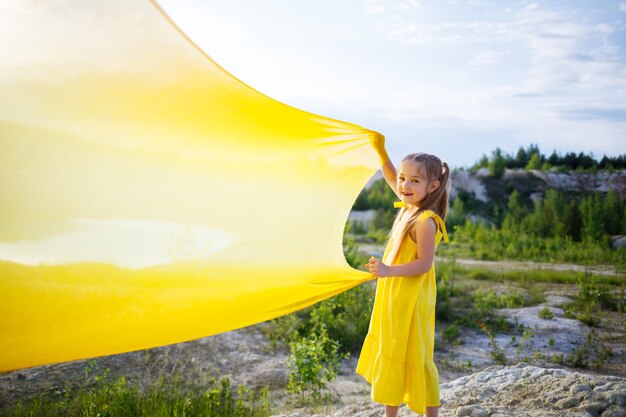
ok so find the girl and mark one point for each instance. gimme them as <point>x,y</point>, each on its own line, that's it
<point>397,354</point>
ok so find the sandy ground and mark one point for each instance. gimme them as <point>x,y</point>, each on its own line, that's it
<point>245,356</point>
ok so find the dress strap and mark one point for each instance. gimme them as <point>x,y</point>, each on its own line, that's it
<point>444,232</point>
<point>429,213</point>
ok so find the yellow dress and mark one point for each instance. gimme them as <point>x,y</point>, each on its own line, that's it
<point>397,354</point>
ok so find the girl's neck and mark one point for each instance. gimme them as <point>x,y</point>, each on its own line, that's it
<point>412,208</point>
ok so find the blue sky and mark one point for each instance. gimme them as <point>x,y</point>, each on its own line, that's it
<point>449,77</point>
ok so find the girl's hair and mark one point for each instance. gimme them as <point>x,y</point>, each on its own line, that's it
<point>436,201</point>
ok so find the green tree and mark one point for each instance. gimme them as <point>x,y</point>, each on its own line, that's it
<point>457,214</point>
<point>554,159</point>
<point>553,208</point>
<point>612,213</point>
<point>382,220</point>
<point>521,159</point>
<point>361,201</point>
<point>593,217</point>
<point>515,213</point>
<point>537,223</point>
<point>483,162</point>
<point>534,162</point>
<point>572,220</point>
<point>498,216</point>
<point>380,195</point>
<point>497,164</point>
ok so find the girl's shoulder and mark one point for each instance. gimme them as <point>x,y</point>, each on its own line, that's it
<point>428,214</point>
<point>440,226</point>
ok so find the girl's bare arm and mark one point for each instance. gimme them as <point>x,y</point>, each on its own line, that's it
<point>425,238</point>
<point>386,166</point>
<point>389,172</point>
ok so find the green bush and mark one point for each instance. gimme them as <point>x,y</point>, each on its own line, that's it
<point>497,353</point>
<point>358,227</point>
<point>511,300</point>
<point>451,333</point>
<point>485,302</point>
<point>594,353</point>
<point>283,329</point>
<point>592,297</point>
<point>546,314</point>
<point>313,361</point>
<point>446,290</point>
<point>345,316</point>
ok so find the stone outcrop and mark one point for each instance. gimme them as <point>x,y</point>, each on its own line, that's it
<point>583,182</point>
<point>514,391</point>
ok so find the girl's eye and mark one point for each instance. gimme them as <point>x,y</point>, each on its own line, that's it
<point>415,181</point>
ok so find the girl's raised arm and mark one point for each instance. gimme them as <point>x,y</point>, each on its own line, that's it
<point>387,168</point>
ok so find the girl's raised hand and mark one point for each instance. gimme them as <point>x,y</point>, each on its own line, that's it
<point>378,142</point>
<point>377,268</point>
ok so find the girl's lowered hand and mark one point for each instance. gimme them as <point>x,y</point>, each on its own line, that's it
<point>377,268</point>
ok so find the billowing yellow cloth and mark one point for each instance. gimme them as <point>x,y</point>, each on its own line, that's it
<point>397,354</point>
<point>148,197</point>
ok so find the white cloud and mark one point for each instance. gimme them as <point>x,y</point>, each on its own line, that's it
<point>549,75</point>
<point>530,69</point>
<point>374,6</point>
<point>382,6</point>
<point>375,9</point>
<point>622,6</point>
<point>571,61</point>
<point>486,58</point>
<point>567,58</point>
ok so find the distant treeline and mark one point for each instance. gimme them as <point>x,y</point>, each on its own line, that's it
<point>532,158</point>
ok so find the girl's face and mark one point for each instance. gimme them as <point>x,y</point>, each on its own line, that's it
<point>412,183</point>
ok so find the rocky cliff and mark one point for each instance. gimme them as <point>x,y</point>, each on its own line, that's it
<point>482,184</point>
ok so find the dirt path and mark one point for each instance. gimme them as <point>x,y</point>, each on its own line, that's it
<point>525,265</point>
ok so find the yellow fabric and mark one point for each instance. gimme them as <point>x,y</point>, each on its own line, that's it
<point>148,196</point>
<point>397,354</point>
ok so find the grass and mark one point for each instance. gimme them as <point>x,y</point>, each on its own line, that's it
<point>165,398</point>
<point>526,276</point>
